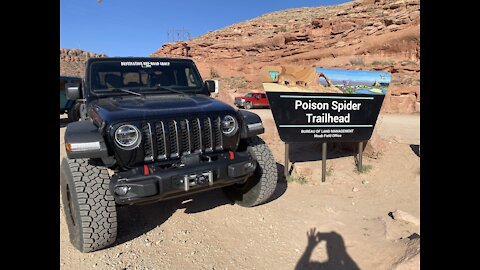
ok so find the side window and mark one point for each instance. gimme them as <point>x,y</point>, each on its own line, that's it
<point>181,77</point>
<point>175,75</point>
<point>264,96</point>
<point>190,78</point>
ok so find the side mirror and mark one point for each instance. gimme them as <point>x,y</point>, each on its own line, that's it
<point>72,91</point>
<point>210,85</point>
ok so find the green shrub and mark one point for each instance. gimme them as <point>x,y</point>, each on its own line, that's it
<point>329,171</point>
<point>299,179</point>
<point>214,73</point>
<point>236,82</point>
<point>357,61</point>
<point>383,63</point>
<point>409,62</point>
<point>365,168</point>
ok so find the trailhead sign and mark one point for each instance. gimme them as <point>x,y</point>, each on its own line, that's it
<point>324,105</point>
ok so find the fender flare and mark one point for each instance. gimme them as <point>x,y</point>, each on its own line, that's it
<point>251,124</point>
<point>83,140</point>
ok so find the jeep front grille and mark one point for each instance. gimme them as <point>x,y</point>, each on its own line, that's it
<point>161,141</point>
<point>218,134</point>
<point>175,138</point>
<point>196,137</point>
<point>174,146</point>
<point>185,131</point>
<point>207,134</point>
<point>148,141</point>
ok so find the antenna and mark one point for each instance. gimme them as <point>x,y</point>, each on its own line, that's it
<point>179,34</point>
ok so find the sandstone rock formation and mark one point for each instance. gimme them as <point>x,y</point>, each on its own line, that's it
<point>363,34</point>
<point>410,260</point>
<point>72,61</point>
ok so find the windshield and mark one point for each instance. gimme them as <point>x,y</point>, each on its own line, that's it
<point>144,76</point>
<point>249,95</point>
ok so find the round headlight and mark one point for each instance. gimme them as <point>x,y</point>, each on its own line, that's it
<point>229,125</point>
<point>127,137</point>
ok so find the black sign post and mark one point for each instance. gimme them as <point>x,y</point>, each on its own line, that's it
<point>287,161</point>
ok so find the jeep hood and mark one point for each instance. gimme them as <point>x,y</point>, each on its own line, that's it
<point>127,108</point>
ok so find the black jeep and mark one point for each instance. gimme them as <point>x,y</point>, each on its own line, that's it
<point>149,132</point>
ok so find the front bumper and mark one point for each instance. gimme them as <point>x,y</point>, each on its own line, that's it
<point>155,183</point>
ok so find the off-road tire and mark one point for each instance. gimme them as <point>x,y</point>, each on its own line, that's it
<point>74,113</point>
<point>248,106</point>
<point>261,185</point>
<point>90,210</point>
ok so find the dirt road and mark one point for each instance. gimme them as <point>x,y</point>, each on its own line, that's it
<point>349,210</point>
<point>403,128</point>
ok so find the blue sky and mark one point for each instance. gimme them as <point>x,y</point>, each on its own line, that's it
<point>139,27</point>
<point>355,75</point>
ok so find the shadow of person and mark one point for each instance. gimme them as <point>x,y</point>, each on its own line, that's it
<point>337,254</point>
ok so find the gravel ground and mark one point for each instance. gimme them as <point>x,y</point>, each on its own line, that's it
<point>348,213</point>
